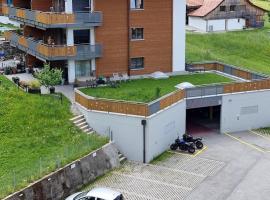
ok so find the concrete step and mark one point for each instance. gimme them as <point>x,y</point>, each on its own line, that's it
<point>91,132</point>
<point>122,158</point>
<point>76,118</point>
<point>84,127</point>
<point>82,124</point>
<point>79,121</point>
<point>88,130</point>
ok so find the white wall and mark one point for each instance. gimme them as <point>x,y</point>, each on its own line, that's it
<point>6,20</point>
<point>235,24</point>
<point>127,131</point>
<point>197,22</point>
<point>218,25</point>
<point>239,111</point>
<point>179,35</point>
<point>163,128</point>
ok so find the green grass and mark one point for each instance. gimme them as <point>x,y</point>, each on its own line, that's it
<point>144,90</point>
<point>249,49</point>
<point>162,157</point>
<point>262,3</point>
<point>35,136</point>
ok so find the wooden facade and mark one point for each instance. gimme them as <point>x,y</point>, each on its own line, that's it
<point>243,9</point>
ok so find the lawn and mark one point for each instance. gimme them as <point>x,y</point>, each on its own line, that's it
<point>248,49</point>
<point>36,136</point>
<point>262,3</point>
<point>144,90</point>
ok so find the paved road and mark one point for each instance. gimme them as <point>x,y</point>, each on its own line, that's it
<point>229,169</point>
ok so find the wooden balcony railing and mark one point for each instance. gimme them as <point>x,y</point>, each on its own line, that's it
<point>51,19</point>
<point>56,51</point>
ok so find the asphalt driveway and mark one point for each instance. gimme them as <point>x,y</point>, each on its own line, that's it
<point>234,166</point>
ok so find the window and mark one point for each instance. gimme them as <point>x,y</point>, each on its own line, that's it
<point>137,63</point>
<point>79,6</point>
<point>222,8</point>
<point>233,8</point>
<point>82,36</point>
<point>136,4</point>
<point>137,33</point>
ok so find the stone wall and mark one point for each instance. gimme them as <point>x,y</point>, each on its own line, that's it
<point>72,177</point>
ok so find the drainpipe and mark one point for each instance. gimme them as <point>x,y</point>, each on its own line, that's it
<point>128,36</point>
<point>144,138</point>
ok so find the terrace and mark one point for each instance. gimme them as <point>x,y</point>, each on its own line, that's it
<point>145,97</point>
<point>145,90</point>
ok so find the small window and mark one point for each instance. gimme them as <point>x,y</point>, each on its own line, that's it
<point>222,8</point>
<point>137,63</point>
<point>137,33</point>
<point>136,4</point>
<point>233,8</point>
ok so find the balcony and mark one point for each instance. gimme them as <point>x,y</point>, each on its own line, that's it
<point>53,52</point>
<point>46,20</point>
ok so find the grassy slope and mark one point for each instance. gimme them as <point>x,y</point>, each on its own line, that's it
<point>145,90</point>
<point>249,49</point>
<point>264,4</point>
<point>33,126</point>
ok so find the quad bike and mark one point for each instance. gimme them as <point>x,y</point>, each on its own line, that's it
<point>197,141</point>
<point>182,145</point>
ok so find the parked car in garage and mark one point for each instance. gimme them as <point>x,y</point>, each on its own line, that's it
<point>97,194</point>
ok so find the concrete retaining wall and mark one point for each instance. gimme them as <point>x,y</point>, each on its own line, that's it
<point>72,177</point>
<point>126,131</point>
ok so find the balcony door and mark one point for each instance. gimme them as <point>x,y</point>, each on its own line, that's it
<point>83,68</point>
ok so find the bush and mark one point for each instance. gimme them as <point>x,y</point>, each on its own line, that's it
<point>34,84</point>
<point>49,77</point>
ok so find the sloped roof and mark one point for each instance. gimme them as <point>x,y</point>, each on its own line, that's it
<point>194,3</point>
<point>207,6</point>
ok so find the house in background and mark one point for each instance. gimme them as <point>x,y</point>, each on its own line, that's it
<point>100,37</point>
<point>224,15</point>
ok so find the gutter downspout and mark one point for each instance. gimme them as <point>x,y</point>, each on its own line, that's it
<point>144,138</point>
<point>128,38</point>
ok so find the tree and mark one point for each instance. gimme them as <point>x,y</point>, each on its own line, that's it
<point>49,77</point>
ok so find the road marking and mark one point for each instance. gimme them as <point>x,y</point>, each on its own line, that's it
<point>190,155</point>
<point>199,152</point>
<point>246,143</point>
<point>263,136</point>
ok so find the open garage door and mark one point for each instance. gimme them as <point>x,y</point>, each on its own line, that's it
<point>203,120</point>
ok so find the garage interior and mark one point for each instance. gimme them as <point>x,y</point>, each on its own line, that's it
<point>203,120</point>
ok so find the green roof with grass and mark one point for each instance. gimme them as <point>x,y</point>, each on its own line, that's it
<point>145,90</point>
<point>36,135</point>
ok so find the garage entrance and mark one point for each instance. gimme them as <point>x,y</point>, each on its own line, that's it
<point>203,120</point>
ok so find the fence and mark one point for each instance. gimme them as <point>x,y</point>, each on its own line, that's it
<point>125,107</point>
<point>13,180</point>
<point>227,69</point>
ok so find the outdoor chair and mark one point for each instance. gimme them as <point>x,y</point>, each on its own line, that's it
<point>116,77</point>
<point>125,77</point>
<point>91,83</point>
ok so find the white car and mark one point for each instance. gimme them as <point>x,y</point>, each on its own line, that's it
<point>97,194</point>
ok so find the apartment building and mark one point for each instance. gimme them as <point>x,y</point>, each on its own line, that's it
<point>100,37</point>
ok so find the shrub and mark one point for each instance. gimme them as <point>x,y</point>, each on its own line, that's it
<point>49,77</point>
<point>34,84</point>
<point>158,91</point>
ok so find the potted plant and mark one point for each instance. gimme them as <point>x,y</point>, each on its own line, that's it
<point>50,77</point>
<point>34,87</point>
